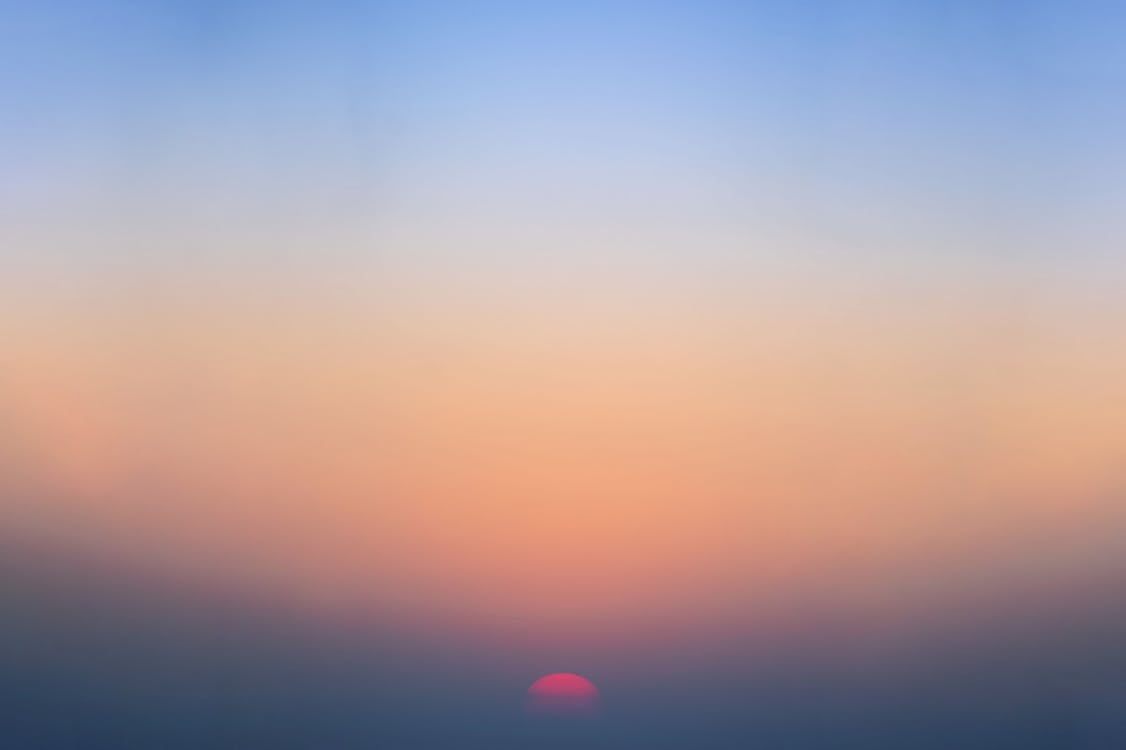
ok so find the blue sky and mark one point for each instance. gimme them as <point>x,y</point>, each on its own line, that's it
<point>993,127</point>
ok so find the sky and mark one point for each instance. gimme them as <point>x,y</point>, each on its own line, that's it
<point>363,362</point>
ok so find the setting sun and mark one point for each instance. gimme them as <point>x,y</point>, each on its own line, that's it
<point>563,695</point>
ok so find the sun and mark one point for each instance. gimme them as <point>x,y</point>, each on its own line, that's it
<point>562,694</point>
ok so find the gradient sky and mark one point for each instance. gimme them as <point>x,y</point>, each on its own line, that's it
<point>569,324</point>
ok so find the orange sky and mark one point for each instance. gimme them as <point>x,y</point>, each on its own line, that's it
<point>488,455</point>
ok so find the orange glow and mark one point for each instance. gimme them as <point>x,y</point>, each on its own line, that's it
<point>701,461</point>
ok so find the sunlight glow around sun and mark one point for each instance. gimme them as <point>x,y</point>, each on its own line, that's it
<point>562,694</point>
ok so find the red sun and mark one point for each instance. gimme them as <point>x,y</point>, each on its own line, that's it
<point>562,694</point>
